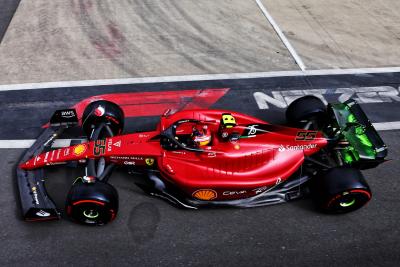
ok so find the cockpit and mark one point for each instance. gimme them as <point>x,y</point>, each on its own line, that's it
<point>201,135</point>
<point>190,134</point>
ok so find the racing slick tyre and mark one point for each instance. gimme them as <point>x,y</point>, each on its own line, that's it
<point>341,190</point>
<point>92,203</point>
<point>304,109</point>
<point>102,111</point>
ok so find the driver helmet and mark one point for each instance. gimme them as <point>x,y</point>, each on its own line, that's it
<point>201,137</point>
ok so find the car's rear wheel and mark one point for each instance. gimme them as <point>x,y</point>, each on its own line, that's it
<point>102,111</point>
<point>305,109</point>
<point>341,190</point>
<point>92,203</point>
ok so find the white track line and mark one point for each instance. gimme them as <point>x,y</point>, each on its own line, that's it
<point>380,126</point>
<point>29,142</point>
<point>386,126</point>
<point>16,143</point>
<point>281,35</point>
<point>191,78</point>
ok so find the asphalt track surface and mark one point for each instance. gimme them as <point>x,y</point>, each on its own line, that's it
<point>7,10</point>
<point>150,232</point>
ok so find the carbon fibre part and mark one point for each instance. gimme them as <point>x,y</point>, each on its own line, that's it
<point>291,189</point>
<point>36,204</point>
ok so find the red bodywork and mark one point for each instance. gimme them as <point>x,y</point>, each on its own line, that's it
<point>224,170</point>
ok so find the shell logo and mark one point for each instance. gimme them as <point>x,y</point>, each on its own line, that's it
<point>205,194</point>
<point>79,149</point>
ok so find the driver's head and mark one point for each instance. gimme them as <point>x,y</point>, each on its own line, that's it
<point>228,121</point>
<point>201,137</point>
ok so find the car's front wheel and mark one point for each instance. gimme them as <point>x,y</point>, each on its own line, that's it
<point>92,203</point>
<point>103,112</point>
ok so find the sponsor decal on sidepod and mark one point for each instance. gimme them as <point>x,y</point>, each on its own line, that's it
<point>296,147</point>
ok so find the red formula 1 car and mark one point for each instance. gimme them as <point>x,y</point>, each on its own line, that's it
<point>202,158</point>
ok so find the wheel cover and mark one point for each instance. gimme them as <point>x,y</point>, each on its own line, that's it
<point>348,201</point>
<point>346,204</point>
<point>91,213</point>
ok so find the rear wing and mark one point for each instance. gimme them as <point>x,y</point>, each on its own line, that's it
<point>359,131</point>
<point>36,204</point>
<point>371,133</point>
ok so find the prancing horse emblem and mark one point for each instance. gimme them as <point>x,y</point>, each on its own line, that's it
<point>149,161</point>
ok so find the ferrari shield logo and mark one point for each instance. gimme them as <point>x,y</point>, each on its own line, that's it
<point>149,161</point>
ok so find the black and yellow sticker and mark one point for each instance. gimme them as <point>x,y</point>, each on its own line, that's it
<point>306,135</point>
<point>99,147</point>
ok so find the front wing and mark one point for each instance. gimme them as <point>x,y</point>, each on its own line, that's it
<point>36,204</point>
